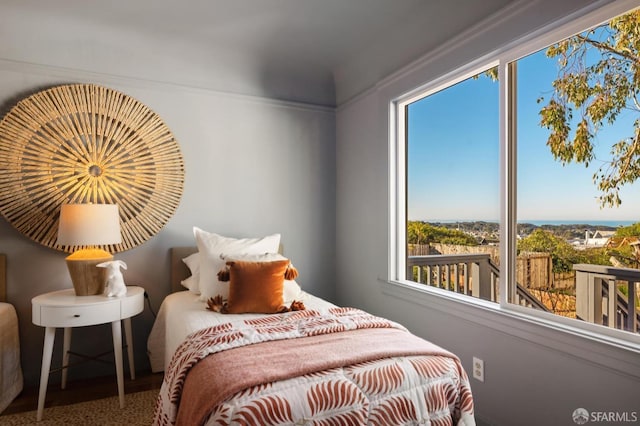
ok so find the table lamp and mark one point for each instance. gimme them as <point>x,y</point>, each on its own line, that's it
<point>88,226</point>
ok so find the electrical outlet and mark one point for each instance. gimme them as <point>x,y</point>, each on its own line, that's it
<point>478,369</point>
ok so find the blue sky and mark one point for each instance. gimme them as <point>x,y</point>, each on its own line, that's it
<point>453,156</point>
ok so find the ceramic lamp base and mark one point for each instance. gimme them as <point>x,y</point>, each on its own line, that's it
<point>86,277</point>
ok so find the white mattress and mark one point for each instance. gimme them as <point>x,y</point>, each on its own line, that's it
<point>11,381</point>
<point>182,313</point>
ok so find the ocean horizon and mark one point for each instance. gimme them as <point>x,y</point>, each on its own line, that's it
<point>611,223</point>
<point>538,222</point>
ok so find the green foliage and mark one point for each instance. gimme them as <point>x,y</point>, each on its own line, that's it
<point>459,240</point>
<point>540,241</point>
<point>625,253</point>
<point>563,254</point>
<point>424,233</point>
<point>629,231</point>
<point>593,256</point>
<point>596,92</point>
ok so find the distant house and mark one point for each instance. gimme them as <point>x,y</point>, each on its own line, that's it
<point>598,238</point>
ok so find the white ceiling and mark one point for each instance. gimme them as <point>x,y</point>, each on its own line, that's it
<point>313,42</point>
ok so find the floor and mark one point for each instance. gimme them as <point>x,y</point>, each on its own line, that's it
<point>86,390</point>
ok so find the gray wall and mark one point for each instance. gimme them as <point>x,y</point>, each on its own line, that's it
<point>533,375</point>
<point>254,166</point>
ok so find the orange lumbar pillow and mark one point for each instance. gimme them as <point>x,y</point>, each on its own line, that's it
<point>291,273</point>
<point>255,287</point>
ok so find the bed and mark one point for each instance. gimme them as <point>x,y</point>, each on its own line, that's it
<point>11,381</point>
<point>323,364</point>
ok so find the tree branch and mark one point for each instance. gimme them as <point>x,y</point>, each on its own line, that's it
<point>622,170</point>
<point>608,48</point>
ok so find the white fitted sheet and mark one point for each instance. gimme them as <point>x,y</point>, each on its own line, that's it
<point>182,313</point>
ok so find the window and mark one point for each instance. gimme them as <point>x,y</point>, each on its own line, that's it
<point>452,146</point>
<point>565,217</point>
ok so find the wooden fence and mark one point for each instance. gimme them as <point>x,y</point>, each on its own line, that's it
<point>533,270</point>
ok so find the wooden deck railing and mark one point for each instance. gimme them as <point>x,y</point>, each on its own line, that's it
<point>595,284</point>
<point>476,275</point>
<point>471,274</point>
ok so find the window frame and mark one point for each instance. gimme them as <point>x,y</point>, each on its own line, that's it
<point>502,58</point>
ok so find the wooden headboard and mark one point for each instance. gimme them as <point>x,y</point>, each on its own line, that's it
<point>179,270</point>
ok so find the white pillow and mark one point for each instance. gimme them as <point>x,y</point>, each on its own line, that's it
<point>252,257</point>
<point>291,289</point>
<point>211,246</point>
<point>193,282</point>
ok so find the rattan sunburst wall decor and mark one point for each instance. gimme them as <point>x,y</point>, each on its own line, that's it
<point>83,143</point>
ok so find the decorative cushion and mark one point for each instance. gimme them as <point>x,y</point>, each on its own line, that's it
<point>292,290</point>
<point>256,287</point>
<point>211,246</point>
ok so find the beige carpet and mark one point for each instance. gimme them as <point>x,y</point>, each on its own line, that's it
<point>138,410</point>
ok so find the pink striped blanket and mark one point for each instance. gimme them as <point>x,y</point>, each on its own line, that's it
<point>341,366</point>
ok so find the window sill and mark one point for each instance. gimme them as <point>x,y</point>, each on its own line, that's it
<point>608,352</point>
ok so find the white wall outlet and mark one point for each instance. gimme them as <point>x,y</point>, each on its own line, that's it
<point>478,369</point>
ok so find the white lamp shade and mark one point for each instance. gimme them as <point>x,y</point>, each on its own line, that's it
<point>89,225</point>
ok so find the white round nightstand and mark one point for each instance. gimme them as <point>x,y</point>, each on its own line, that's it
<point>63,309</point>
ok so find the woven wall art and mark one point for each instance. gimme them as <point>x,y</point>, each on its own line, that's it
<point>84,143</point>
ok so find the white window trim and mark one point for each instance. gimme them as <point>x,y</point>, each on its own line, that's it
<point>540,327</point>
